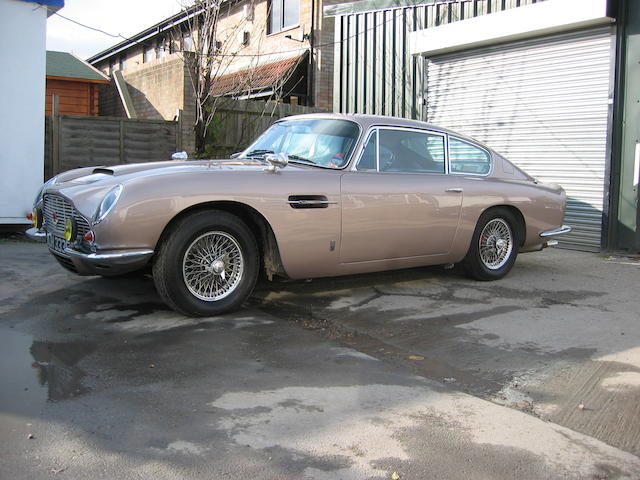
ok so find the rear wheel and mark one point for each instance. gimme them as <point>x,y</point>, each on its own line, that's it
<point>494,246</point>
<point>207,265</point>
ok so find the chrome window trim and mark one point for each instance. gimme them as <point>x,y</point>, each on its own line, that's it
<point>358,152</point>
<point>473,144</point>
<point>376,129</point>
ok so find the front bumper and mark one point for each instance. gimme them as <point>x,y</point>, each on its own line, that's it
<point>36,234</point>
<point>115,262</point>
<point>106,262</point>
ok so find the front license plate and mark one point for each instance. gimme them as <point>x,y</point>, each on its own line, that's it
<point>57,244</point>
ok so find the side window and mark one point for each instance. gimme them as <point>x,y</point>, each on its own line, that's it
<point>368,158</point>
<point>467,158</point>
<point>411,151</point>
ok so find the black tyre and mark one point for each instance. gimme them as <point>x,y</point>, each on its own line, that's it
<point>207,264</point>
<point>494,246</point>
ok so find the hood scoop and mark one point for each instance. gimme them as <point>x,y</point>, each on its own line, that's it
<point>106,171</point>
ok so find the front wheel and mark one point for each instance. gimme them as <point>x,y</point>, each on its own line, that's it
<point>494,246</point>
<point>207,265</point>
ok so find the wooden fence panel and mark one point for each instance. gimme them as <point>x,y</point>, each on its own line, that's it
<point>146,141</point>
<point>48,148</point>
<point>73,141</point>
<point>238,122</point>
<point>86,141</point>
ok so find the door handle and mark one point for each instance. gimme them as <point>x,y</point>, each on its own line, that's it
<point>454,190</point>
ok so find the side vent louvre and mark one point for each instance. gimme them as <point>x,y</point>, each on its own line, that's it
<point>309,201</point>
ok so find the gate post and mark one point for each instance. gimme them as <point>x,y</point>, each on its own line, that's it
<point>55,135</point>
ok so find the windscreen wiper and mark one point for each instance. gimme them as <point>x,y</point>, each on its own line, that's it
<point>298,157</point>
<point>261,151</point>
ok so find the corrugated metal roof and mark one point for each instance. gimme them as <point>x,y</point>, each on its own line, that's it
<point>258,78</point>
<point>167,24</point>
<point>63,64</point>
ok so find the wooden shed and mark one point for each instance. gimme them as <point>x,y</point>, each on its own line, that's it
<point>75,82</point>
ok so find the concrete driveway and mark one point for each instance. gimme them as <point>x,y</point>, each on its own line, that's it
<point>562,330</point>
<point>416,374</point>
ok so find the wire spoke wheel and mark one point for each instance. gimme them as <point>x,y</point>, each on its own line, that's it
<point>212,266</point>
<point>495,244</point>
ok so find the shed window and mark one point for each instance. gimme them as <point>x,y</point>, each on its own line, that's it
<point>283,14</point>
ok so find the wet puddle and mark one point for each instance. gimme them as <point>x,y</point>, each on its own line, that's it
<point>33,373</point>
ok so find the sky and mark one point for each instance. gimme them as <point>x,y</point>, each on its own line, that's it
<point>117,17</point>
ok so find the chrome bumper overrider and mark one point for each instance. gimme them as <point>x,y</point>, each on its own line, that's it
<point>108,263</point>
<point>546,240</point>
<point>556,231</point>
<point>36,234</point>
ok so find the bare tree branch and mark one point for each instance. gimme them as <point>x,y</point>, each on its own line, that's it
<point>210,47</point>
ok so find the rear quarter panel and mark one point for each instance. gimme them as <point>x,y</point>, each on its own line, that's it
<point>542,207</point>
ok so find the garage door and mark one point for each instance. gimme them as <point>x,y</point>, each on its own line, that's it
<point>544,105</point>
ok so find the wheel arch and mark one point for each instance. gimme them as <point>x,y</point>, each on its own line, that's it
<point>517,214</point>
<point>270,260</point>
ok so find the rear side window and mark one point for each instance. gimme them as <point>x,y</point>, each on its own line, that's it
<point>467,158</point>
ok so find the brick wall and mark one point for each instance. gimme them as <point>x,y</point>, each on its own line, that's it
<point>110,103</point>
<point>323,88</point>
<point>230,29</point>
<point>158,89</point>
<point>188,112</point>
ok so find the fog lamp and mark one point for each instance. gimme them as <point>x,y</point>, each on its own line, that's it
<point>70,229</point>
<point>36,217</point>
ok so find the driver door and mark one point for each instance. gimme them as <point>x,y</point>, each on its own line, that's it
<point>399,202</point>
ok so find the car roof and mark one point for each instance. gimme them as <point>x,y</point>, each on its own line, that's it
<point>366,121</point>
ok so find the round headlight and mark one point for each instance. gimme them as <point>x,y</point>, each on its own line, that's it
<point>70,229</point>
<point>108,202</point>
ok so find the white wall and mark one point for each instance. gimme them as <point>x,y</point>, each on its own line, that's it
<point>551,16</point>
<point>22,90</point>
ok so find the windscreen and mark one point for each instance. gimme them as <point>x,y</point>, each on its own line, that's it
<point>322,142</point>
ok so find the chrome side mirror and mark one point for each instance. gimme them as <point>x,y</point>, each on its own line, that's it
<point>234,155</point>
<point>180,156</point>
<point>276,160</point>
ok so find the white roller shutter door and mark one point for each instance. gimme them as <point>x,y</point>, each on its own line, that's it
<point>542,104</point>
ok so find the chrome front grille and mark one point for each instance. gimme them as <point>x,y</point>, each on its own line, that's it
<point>56,210</point>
